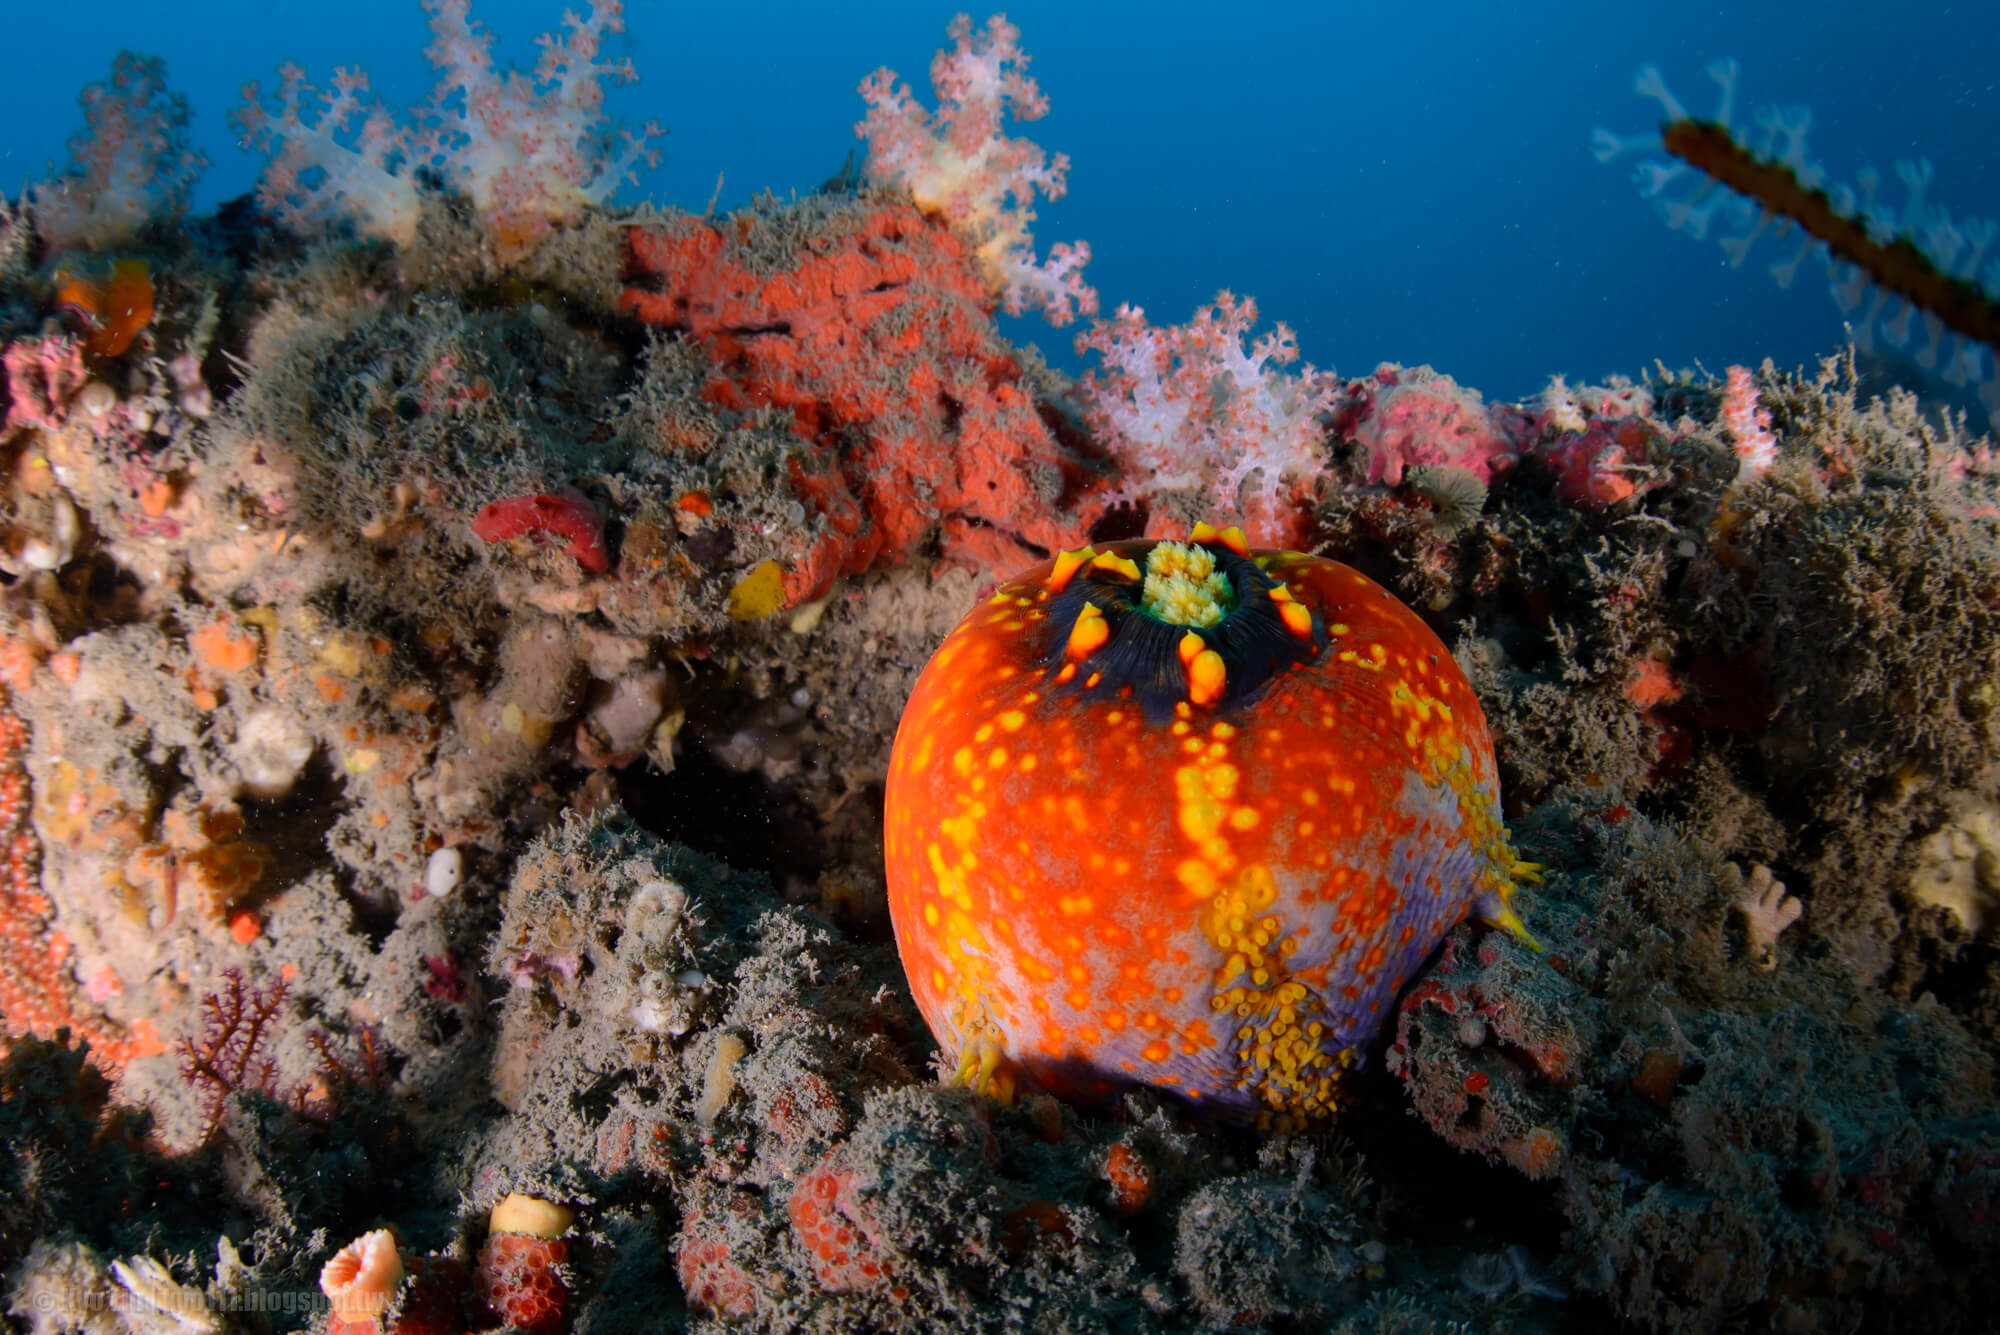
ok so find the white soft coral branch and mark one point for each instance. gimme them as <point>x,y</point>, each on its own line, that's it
<point>131,164</point>
<point>957,162</point>
<point>1198,407</point>
<point>349,165</point>
<point>528,151</point>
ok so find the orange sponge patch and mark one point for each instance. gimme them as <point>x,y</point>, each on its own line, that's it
<point>112,302</point>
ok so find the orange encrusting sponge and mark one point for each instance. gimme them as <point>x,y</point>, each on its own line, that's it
<point>1186,815</point>
<point>112,301</point>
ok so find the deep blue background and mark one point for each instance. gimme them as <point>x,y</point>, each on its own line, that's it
<point>1418,192</point>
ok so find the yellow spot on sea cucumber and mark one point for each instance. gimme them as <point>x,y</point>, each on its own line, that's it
<point>1113,564</point>
<point>1066,566</point>
<point>1197,877</point>
<point>1206,677</point>
<point>1089,633</point>
<point>1231,537</point>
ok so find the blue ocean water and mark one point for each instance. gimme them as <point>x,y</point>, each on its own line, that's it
<point>1415,191</point>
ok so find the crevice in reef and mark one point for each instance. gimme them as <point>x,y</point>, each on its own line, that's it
<point>739,818</point>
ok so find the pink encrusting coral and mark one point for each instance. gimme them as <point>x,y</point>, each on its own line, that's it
<point>1605,463</point>
<point>528,150</point>
<point>1418,419</point>
<point>957,162</point>
<point>1602,442</point>
<point>43,375</point>
<point>834,1223</point>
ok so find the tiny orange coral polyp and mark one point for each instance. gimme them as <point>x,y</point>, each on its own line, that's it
<point>1186,815</point>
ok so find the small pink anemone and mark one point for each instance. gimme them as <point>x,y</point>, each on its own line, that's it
<point>363,1276</point>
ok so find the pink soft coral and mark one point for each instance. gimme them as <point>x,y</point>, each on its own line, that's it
<point>958,163</point>
<point>1749,427</point>
<point>1188,408</point>
<point>529,152</point>
<point>1420,419</point>
<point>132,162</point>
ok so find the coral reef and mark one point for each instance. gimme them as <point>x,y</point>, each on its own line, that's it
<point>452,659</point>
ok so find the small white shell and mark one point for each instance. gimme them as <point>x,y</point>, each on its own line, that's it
<point>443,872</point>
